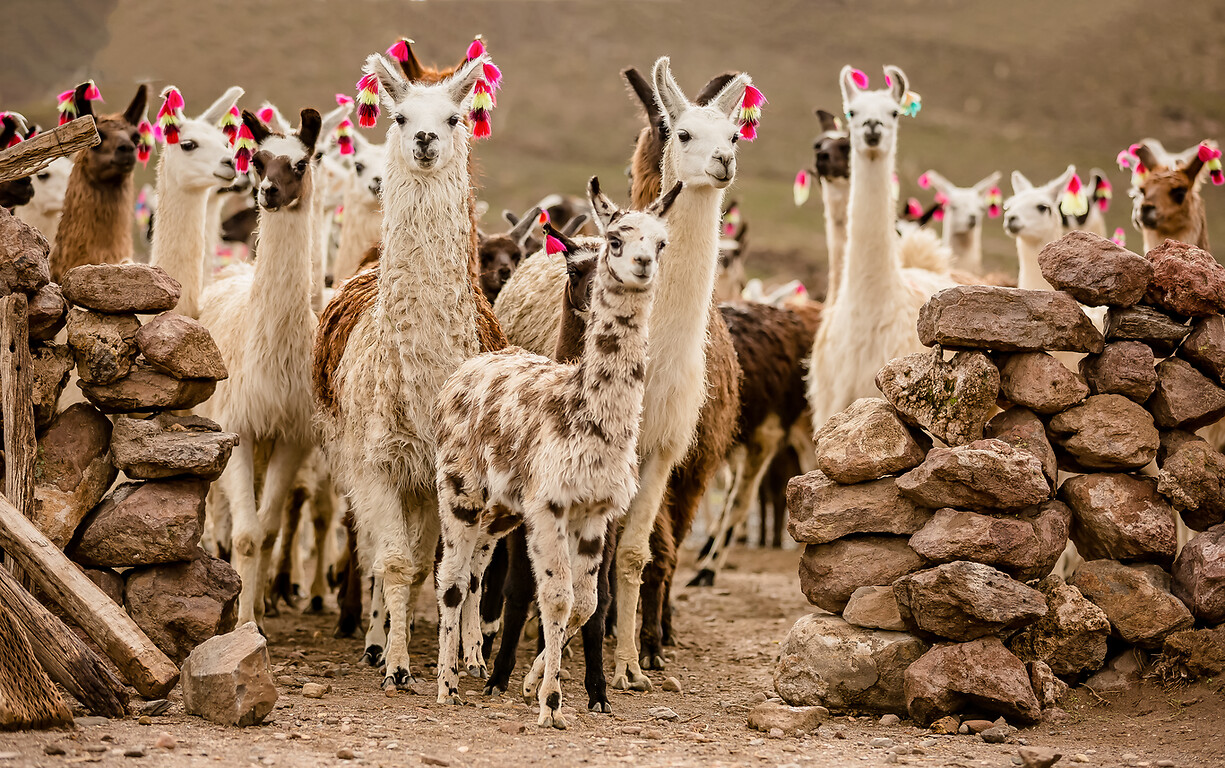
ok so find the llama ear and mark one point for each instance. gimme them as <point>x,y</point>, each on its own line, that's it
<point>829,123</point>
<point>138,107</point>
<point>392,86</point>
<point>309,128</point>
<point>846,81</point>
<point>1148,157</point>
<point>660,207</point>
<point>459,85</point>
<point>574,225</point>
<point>941,184</point>
<point>898,82</point>
<point>259,131</point>
<point>740,233</point>
<point>606,211</point>
<point>642,89</point>
<point>481,237</point>
<point>668,94</point>
<point>522,229</point>
<point>218,108</point>
<point>713,87</point>
<point>1020,183</point>
<point>82,105</point>
<point>987,183</point>
<point>411,65</point>
<point>1191,167</point>
<point>1055,187</point>
<point>927,215</point>
<point>273,117</point>
<point>727,102</point>
<point>510,216</point>
<point>332,119</point>
<point>571,248</point>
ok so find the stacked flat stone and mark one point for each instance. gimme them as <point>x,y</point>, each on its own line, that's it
<point>939,558</point>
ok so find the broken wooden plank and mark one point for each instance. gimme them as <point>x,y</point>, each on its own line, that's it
<point>140,661</point>
<point>28,698</point>
<point>17,403</point>
<point>65,658</point>
<point>32,155</point>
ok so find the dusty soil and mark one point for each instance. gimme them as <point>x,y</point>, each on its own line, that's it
<point>729,639</point>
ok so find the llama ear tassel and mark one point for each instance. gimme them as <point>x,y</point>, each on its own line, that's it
<point>802,187</point>
<point>1120,237</point>
<point>170,116</point>
<point>914,209</point>
<point>750,112</point>
<point>66,104</point>
<point>1102,194</point>
<point>145,142</point>
<point>911,104</point>
<point>244,149</point>
<point>229,124</point>
<point>552,245</point>
<point>368,100</point>
<point>995,202</point>
<point>1074,202</point>
<point>1129,160</point>
<point>483,99</point>
<point>1211,156</point>
<point>344,136</point>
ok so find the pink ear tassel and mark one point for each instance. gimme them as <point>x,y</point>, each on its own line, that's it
<point>66,106</point>
<point>343,99</point>
<point>1120,237</point>
<point>92,93</point>
<point>475,48</point>
<point>750,112</point>
<point>553,245</point>
<point>941,199</point>
<point>995,199</point>
<point>801,188</point>
<point>925,182</point>
<point>265,115</point>
<point>492,75</point>
<point>344,137</point>
<point>368,100</point>
<point>229,124</point>
<point>914,209</point>
<point>860,78</point>
<point>399,50</point>
<point>144,145</point>
<point>244,149</point>
<point>170,117</point>
<point>543,218</point>
<point>1124,159</point>
<point>1212,157</point>
<point>482,103</point>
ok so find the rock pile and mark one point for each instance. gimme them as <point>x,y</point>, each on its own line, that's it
<point>939,559</point>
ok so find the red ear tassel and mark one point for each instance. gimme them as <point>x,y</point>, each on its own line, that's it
<point>368,100</point>
<point>93,94</point>
<point>553,245</point>
<point>492,75</point>
<point>750,112</point>
<point>244,148</point>
<point>344,137</point>
<point>399,50</point>
<point>543,218</point>
<point>913,208</point>
<point>230,123</point>
<point>144,145</point>
<point>66,106</point>
<point>343,99</point>
<point>169,117</point>
<point>482,103</point>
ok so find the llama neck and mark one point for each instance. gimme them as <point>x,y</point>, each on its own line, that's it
<point>1195,233</point>
<point>872,270</point>
<point>281,286</point>
<point>835,194</point>
<point>1029,274</point>
<point>319,253</point>
<point>212,230</point>
<point>967,248</point>
<point>180,239</point>
<point>570,333</point>
<point>96,225</point>
<point>361,229</point>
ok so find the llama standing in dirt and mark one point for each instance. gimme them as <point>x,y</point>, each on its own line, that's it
<point>189,171</point>
<point>965,211</point>
<point>833,169</point>
<point>1032,216</point>
<point>262,322</point>
<point>522,438</point>
<point>874,317</point>
<point>96,222</point>
<point>1169,204</point>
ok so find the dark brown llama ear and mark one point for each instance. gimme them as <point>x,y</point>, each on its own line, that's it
<point>1193,165</point>
<point>522,229</point>
<point>642,89</point>
<point>829,123</point>
<point>259,130</point>
<point>410,65</point>
<point>713,87</point>
<point>81,105</point>
<point>660,207</point>
<point>574,225</point>
<point>1149,158</point>
<point>606,211</point>
<point>928,214</point>
<point>138,107</point>
<point>309,125</point>
<point>556,241</point>
<point>510,216</point>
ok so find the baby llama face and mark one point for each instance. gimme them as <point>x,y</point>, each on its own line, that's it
<point>1032,213</point>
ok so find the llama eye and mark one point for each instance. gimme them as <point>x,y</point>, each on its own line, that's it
<point>318,155</point>
<point>43,176</point>
<point>453,121</point>
<point>660,247</point>
<point>735,137</point>
<point>614,243</point>
<point>1043,208</point>
<point>187,146</point>
<point>895,113</point>
<point>301,166</point>
<point>401,120</point>
<point>1178,194</point>
<point>359,167</point>
<point>850,114</point>
<point>683,136</point>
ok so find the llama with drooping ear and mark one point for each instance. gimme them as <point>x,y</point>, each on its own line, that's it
<point>874,317</point>
<point>1168,202</point>
<point>833,170</point>
<point>262,322</point>
<point>965,210</point>
<point>499,255</point>
<point>96,222</point>
<point>1033,217</point>
<point>195,161</point>
<point>560,457</point>
<point>363,208</point>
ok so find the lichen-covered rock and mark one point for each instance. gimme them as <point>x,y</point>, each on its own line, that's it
<point>874,608</point>
<point>1199,575</point>
<point>1193,479</point>
<point>1159,331</point>
<point>952,400</point>
<point>1026,546</point>
<point>830,573</point>
<point>144,390</point>
<point>228,680</point>
<point>72,472</point>
<point>980,675</point>
<point>1205,347</point>
<point>1106,432</point>
<point>47,312</point>
<point>180,347</point>
<point>1041,383</point>
<point>1095,270</point>
<point>985,473</point>
<point>167,446</point>
<point>866,441</point>
<point>1120,517</point>
<point>144,523</point>
<point>25,264</point>
<point>1186,280</point>
<point>964,600</point>
<point>104,345</point>
<point>1195,652</point>
<point>1070,638</point>
<point>50,369</point>
<point>1135,598</point>
<point>1021,429</point>
<point>1185,398</point>
<point>1123,368</point>
<point>1007,320</point>
<point>180,605</point>
<point>121,288</point>
<point>820,510</point>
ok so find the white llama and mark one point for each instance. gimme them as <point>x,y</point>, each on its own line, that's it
<point>965,212</point>
<point>363,217</point>
<point>832,150</point>
<point>43,211</point>
<point>1032,216</point>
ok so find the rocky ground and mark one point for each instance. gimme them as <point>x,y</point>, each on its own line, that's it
<point>729,636</point>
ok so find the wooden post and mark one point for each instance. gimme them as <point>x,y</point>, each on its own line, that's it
<point>65,658</point>
<point>28,698</point>
<point>140,661</point>
<point>32,155</point>
<point>17,402</point>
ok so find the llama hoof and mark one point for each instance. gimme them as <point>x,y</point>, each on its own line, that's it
<point>600,705</point>
<point>551,717</point>
<point>451,698</point>
<point>653,661</point>
<point>346,627</point>
<point>705,578</point>
<point>477,673</point>
<point>373,656</point>
<point>494,690</point>
<point>632,681</point>
<point>315,605</point>
<point>398,679</point>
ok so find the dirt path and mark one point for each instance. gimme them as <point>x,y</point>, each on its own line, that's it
<point>729,639</point>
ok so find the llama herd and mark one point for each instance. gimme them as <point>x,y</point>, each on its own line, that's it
<point>552,405</point>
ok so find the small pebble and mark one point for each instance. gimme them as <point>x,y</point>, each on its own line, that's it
<point>346,728</point>
<point>756,742</point>
<point>663,713</point>
<point>165,741</point>
<point>995,734</point>
<point>9,755</point>
<point>344,753</point>
<point>314,690</point>
<point>631,730</point>
<point>839,733</point>
<point>1080,758</point>
<point>144,720</point>
<point>672,684</point>
<point>96,749</point>
<point>881,743</point>
<point>776,733</point>
<point>431,760</point>
<point>511,727</point>
<point>155,707</point>
<point>134,752</point>
<point>890,719</point>
<point>891,757</point>
<point>653,733</point>
<point>1166,764</point>
<point>54,749</point>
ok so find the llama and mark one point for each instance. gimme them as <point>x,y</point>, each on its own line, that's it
<point>733,249</point>
<point>1168,202</point>
<point>262,322</point>
<point>833,169</point>
<point>1094,218</point>
<point>552,446</point>
<point>363,218</point>
<point>499,255</point>
<point>965,211</point>
<point>1032,216</point>
<point>96,221</point>
<point>14,193</point>
<point>43,211</point>
<point>380,364</point>
<point>873,319</point>
<point>189,172</point>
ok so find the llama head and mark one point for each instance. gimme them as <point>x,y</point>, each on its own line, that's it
<point>202,158</point>
<point>331,174</point>
<point>369,163</point>
<point>1032,213</point>
<point>733,245</point>
<point>50,185</point>
<point>965,208</point>
<point>427,132</point>
<point>872,115</point>
<point>500,254</point>
<point>633,240</point>
<point>14,192</point>
<point>832,149</point>
<point>112,160</point>
<point>283,162</point>
<point>1168,200</point>
<point>701,145</point>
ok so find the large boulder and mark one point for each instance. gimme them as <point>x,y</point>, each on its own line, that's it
<point>228,680</point>
<point>1095,270</point>
<point>1186,280</point>
<point>952,399</point>
<point>144,389</point>
<point>180,605</point>
<point>1199,575</point>
<point>980,675</point>
<point>72,472</point>
<point>166,446</point>
<point>964,600</point>
<point>104,345</point>
<point>874,608</point>
<point>25,263</point>
<point>46,312</point>
<point>121,288</point>
<point>1185,398</point>
<point>144,523</point>
<point>1193,479</point>
<point>1135,598</point>
<point>826,661</point>
<point>1021,429</point>
<point>1158,330</point>
<point>1123,368</point>
<point>820,510</point>
<point>1026,546</point>
<point>1106,432</point>
<point>1120,517</point>
<point>866,441</point>
<point>1205,347</point>
<point>1041,383</point>
<point>830,573</point>
<point>1172,441</point>
<point>1070,638</point>
<point>1007,320</point>
<point>985,473</point>
<point>180,347</point>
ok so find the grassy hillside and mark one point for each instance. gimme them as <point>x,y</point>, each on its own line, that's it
<point>1028,85</point>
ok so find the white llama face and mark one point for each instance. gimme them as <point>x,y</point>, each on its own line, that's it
<point>702,140</point>
<point>1032,213</point>
<point>635,241</point>
<point>967,206</point>
<point>369,165</point>
<point>50,184</point>
<point>872,115</point>
<point>203,158</point>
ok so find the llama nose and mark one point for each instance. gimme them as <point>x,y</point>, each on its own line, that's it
<point>973,222</point>
<point>424,138</point>
<point>376,185</point>
<point>1148,216</point>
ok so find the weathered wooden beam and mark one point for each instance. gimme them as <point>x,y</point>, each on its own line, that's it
<point>28,698</point>
<point>17,403</point>
<point>140,661</point>
<point>32,155</point>
<point>65,658</point>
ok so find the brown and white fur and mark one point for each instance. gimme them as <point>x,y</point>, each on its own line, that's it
<point>499,255</point>
<point>832,151</point>
<point>524,439</point>
<point>262,322</point>
<point>1168,202</point>
<point>96,222</point>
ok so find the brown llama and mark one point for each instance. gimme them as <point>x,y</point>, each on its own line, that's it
<point>1169,204</point>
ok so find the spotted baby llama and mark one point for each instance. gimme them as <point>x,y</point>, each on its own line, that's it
<point>262,322</point>
<point>524,439</point>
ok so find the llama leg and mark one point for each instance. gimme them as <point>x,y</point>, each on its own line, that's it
<point>518,593</point>
<point>379,517</point>
<point>470,614</point>
<point>283,466</point>
<point>323,510</point>
<point>460,540</point>
<point>633,552</point>
<point>550,553</point>
<point>593,631</point>
<point>654,585</point>
<point>721,533</point>
<point>376,627</point>
<point>350,596</point>
<point>238,486</point>
<point>282,585</point>
<point>407,562</point>
<point>491,597</point>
